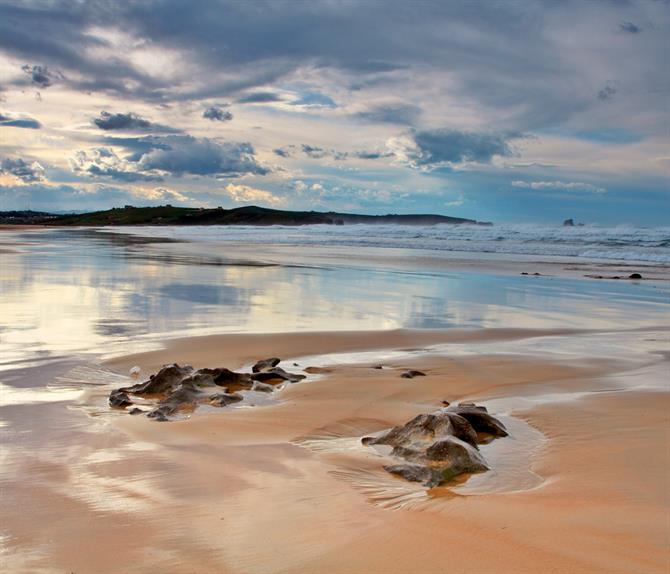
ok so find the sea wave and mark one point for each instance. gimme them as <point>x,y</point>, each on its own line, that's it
<point>591,242</point>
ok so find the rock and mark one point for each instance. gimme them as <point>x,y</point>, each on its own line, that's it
<point>184,396</point>
<point>278,374</point>
<point>162,382</point>
<point>412,374</point>
<point>135,411</point>
<point>224,399</point>
<point>461,456</point>
<point>411,472</point>
<point>262,387</point>
<point>378,367</point>
<point>119,399</point>
<point>200,379</point>
<point>480,420</point>
<point>230,379</point>
<point>425,429</point>
<point>265,364</point>
<point>569,223</point>
<point>158,415</point>
<point>439,446</point>
<point>635,276</point>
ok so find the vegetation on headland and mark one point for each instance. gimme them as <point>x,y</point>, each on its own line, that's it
<point>249,215</point>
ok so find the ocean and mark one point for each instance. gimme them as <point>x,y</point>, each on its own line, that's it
<point>588,242</point>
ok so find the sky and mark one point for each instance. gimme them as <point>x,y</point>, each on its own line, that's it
<point>504,110</point>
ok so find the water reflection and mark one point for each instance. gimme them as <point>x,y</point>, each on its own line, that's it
<point>67,292</point>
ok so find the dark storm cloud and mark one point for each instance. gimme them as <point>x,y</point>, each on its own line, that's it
<point>202,156</point>
<point>14,121</point>
<point>260,98</point>
<point>445,146</point>
<point>371,154</point>
<point>402,114</point>
<point>39,75</point>
<point>488,49</point>
<point>314,152</point>
<point>217,113</point>
<point>153,157</point>
<point>630,28</point>
<point>607,93</point>
<point>129,122</point>
<point>27,172</point>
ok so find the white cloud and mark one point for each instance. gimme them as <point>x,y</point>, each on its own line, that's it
<point>245,194</point>
<point>562,185</point>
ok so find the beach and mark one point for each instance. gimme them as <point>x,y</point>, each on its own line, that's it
<point>575,367</point>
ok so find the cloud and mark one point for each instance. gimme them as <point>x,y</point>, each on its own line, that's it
<point>630,28</point>
<point>281,152</point>
<point>260,98</point>
<point>10,120</point>
<point>314,152</point>
<point>314,100</point>
<point>129,122</point>
<point>104,162</point>
<point>246,194</point>
<point>151,158</point>
<point>180,155</point>
<point>561,185</point>
<point>164,194</point>
<point>217,113</point>
<point>39,75</point>
<point>371,154</point>
<point>607,93</point>
<point>26,172</point>
<point>450,147</point>
<point>402,114</point>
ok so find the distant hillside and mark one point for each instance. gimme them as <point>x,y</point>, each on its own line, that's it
<point>25,217</point>
<point>251,215</point>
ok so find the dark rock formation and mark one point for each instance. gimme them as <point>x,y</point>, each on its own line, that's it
<point>425,429</point>
<point>635,276</point>
<point>411,374</point>
<point>276,374</point>
<point>119,399</point>
<point>162,382</point>
<point>439,446</point>
<point>175,389</point>
<point>230,379</point>
<point>479,418</point>
<point>265,364</point>
<point>569,223</point>
<point>224,399</point>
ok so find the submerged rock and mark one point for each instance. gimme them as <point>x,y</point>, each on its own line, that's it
<point>119,399</point>
<point>424,429</point>
<point>224,399</point>
<point>412,373</point>
<point>230,379</point>
<point>439,446</point>
<point>174,388</point>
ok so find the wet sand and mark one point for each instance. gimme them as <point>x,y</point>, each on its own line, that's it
<point>287,487</point>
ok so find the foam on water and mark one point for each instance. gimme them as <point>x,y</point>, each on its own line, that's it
<point>589,242</point>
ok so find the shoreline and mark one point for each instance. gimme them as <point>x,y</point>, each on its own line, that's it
<point>287,487</point>
<point>353,399</point>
